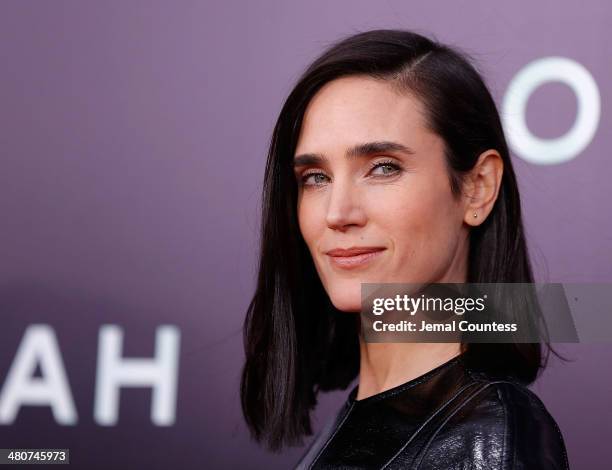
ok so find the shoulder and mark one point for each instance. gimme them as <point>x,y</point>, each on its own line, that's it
<point>499,424</point>
<point>534,439</point>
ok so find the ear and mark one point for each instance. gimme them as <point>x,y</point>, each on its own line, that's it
<point>481,187</point>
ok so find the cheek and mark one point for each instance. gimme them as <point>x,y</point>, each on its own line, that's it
<point>422,223</point>
<point>310,220</point>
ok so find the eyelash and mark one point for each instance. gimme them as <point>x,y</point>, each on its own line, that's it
<point>373,166</point>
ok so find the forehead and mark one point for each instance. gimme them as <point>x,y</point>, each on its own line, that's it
<point>358,108</point>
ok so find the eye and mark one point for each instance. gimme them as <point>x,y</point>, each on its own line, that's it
<point>387,168</point>
<point>318,179</point>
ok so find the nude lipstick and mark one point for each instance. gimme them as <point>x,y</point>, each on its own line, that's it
<point>354,257</point>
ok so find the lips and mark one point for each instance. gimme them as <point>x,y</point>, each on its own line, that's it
<point>353,251</point>
<point>353,257</point>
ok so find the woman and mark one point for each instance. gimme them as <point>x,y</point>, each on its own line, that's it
<point>388,163</point>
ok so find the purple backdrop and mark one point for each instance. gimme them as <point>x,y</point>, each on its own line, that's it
<point>134,137</point>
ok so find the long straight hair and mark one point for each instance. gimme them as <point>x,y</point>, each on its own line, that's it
<point>296,342</point>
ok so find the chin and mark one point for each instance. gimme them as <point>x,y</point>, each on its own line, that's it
<point>346,298</point>
<point>348,307</point>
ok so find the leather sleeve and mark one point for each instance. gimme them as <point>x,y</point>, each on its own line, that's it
<point>506,428</point>
<point>534,438</point>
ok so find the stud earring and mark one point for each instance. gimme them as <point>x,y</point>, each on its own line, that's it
<point>475,215</point>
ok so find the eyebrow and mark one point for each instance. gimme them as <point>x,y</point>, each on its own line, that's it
<point>359,150</point>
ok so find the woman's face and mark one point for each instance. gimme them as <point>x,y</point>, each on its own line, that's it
<point>372,177</point>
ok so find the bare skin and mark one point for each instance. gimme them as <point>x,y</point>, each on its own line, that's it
<point>398,200</point>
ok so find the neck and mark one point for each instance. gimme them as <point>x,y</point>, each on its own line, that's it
<point>386,365</point>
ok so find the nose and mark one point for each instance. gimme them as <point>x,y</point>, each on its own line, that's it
<point>344,206</point>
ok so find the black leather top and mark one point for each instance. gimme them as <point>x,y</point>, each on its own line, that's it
<point>449,418</point>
